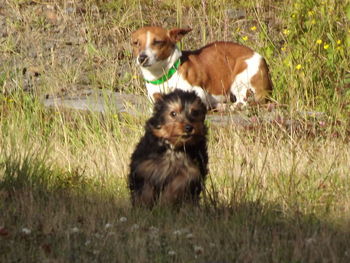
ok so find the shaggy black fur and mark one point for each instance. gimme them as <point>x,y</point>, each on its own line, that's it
<point>169,164</point>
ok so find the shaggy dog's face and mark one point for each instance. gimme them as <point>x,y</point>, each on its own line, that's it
<point>178,118</point>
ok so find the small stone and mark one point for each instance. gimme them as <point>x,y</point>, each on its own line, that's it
<point>236,13</point>
<point>123,219</point>
<point>177,232</point>
<point>75,230</point>
<point>26,230</point>
<point>70,10</point>
<point>108,225</point>
<point>50,7</point>
<point>310,241</point>
<point>189,236</point>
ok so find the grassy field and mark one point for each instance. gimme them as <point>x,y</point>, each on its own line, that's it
<point>274,193</point>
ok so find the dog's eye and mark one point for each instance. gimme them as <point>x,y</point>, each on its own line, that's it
<point>135,42</point>
<point>158,42</point>
<point>173,114</point>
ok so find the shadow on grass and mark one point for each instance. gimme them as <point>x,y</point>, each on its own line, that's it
<point>48,215</point>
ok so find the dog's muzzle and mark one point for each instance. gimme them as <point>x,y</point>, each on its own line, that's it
<point>142,59</point>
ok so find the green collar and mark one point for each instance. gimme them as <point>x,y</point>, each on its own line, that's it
<point>166,76</point>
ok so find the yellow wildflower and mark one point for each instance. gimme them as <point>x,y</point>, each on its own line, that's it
<point>294,15</point>
<point>287,62</point>
<point>284,47</point>
<point>253,28</point>
<point>326,46</point>
<point>313,21</point>
<point>338,41</point>
<point>245,38</point>
<point>310,13</point>
<point>319,41</point>
<point>286,32</point>
<point>298,66</point>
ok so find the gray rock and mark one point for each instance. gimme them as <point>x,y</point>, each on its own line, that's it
<point>101,101</point>
<point>236,13</point>
<point>137,105</point>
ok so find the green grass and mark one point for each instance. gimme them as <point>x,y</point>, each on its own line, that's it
<point>273,194</point>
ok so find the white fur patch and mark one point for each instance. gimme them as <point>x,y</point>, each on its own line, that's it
<point>178,82</point>
<point>151,54</point>
<point>175,82</point>
<point>160,67</point>
<point>242,82</point>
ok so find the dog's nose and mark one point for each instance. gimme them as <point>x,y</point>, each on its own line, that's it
<point>142,58</point>
<point>188,128</point>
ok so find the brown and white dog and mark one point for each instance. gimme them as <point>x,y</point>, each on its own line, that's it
<point>219,72</point>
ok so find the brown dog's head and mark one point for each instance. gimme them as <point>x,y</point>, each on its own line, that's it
<point>152,45</point>
<point>178,118</point>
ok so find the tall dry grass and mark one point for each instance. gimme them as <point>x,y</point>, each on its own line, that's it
<point>275,192</point>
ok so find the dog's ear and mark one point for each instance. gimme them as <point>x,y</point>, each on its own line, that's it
<point>177,34</point>
<point>202,106</point>
<point>157,97</point>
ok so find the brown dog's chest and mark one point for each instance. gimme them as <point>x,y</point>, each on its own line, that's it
<point>172,164</point>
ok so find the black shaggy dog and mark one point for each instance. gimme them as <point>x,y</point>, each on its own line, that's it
<point>169,164</point>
